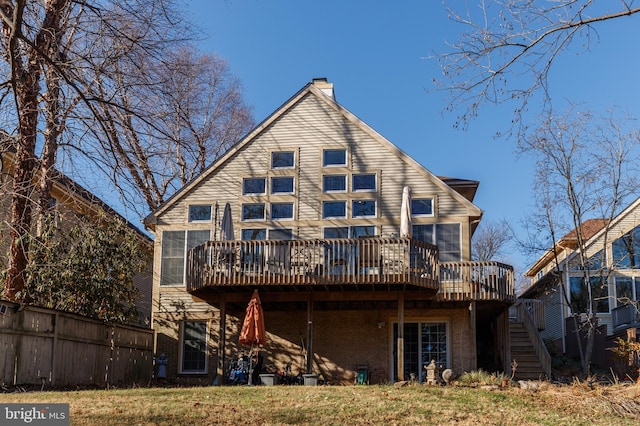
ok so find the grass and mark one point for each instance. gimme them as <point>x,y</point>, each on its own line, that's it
<point>346,405</point>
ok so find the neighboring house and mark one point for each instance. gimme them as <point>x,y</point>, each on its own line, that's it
<point>69,200</point>
<point>613,252</point>
<point>315,199</point>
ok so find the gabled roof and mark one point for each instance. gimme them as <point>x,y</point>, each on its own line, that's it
<point>323,91</point>
<point>592,229</point>
<point>568,242</point>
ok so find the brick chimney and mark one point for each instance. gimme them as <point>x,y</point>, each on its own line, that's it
<point>326,87</point>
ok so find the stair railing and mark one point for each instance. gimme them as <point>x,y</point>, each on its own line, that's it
<point>524,316</point>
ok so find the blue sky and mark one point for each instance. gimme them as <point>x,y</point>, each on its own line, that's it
<point>376,53</point>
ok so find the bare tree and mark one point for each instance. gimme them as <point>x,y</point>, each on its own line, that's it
<point>490,240</point>
<point>74,87</point>
<point>189,111</point>
<point>508,48</point>
<point>586,169</point>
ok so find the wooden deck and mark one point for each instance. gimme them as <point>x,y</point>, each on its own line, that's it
<point>346,264</point>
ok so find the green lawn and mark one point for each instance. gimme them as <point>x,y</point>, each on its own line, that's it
<point>346,405</point>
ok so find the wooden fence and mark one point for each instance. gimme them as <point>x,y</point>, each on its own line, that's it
<point>45,346</point>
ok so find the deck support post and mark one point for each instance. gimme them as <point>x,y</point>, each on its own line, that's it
<point>309,365</point>
<point>222,338</point>
<point>400,342</point>
<point>473,335</point>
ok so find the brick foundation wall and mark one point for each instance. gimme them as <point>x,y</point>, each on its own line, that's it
<point>342,340</point>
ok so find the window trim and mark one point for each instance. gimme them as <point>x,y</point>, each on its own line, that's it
<point>264,180</point>
<point>264,212</point>
<point>189,220</point>
<point>334,191</point>
<point>375,205</point>
<point>293,185</point>
<point>432,214</point>
<point>346,157</point>
<point>293,211</point>
<point>375,182</point>
<point>292,166</point>
<point>344,202</point>
<point>206,351</point>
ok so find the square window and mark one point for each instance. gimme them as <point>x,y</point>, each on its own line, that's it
<point>334,157</point>
<point>363,182</point>
<point>334,209</point>
<point>253,211</point>
<point>363,208</point>
<point>281,210</point>
<point>200,213</point>
<point>282,185</point>
<point>254,186</point>
<point>282,159</point>
<point>334,183</point>
<point>422,207</point>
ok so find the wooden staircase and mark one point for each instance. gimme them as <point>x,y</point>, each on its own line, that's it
<point>524,353</point>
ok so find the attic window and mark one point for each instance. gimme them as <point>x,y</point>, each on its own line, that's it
<point>282,159</point>
<point>422,207</point>
<point>200,213</point>
<point>254,186</point>
<point>334,157</point>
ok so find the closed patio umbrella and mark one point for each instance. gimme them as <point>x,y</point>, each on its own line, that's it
<point>227,224</point>
<point>253,331</point>
<point>405,214</point>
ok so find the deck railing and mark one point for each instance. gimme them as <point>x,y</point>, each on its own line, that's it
<point>313,262</point>
<point>476,281</point>
<point>375,261</point>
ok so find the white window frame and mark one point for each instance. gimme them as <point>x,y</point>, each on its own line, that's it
<point>375,210</point>
<point>346,157</point>
<point>264,212</point>
<point>334,201</point>
<point>293,185</point>
<point>432,214</point>
<point>334,191</point>
<point>199,220</point>
<point>264,179</point>
<point>375,182</point>
<point>283,167</point>
<point>293,211</point>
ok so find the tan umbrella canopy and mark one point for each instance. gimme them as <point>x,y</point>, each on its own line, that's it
<point>405,214</point>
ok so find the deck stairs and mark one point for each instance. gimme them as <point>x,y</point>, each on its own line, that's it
<point>523,352</point>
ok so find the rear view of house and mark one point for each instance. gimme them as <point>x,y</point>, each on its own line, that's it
<point>306,209</point>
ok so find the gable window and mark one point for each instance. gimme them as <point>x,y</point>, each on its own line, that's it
<point>254,186</point>
<point>253,211</point>
<point>444,235</point>
<point>334,157</point>
<point>281,211</point>
<point>282,185</point>
<point>334,183</point>
<point>422,207</point>
<point>363,182</point>
<point>626,250</point>
<point>200,213</point>
<point>193,347</point>
<point>334,209</point>
<point>254,234</point>
<point>175,245</point>
<point>363,208</point>
<point>282,159</point>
